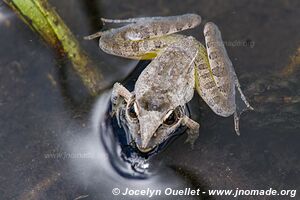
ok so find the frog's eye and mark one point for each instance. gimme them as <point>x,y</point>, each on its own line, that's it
<point>132,110</point>
<point>171,118</point>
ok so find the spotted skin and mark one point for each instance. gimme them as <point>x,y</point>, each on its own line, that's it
<point>146,36</point>
<point>180,64</point>
<point>215,74</point>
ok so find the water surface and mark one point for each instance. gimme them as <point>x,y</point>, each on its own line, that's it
<point>44,109</point>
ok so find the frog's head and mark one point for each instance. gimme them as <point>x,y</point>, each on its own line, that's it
<point>152,120</point>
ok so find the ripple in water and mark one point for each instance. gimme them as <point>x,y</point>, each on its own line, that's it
<point>106,166</point>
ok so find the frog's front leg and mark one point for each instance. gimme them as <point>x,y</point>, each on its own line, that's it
<point>118,96</point>
<point>193,129</point>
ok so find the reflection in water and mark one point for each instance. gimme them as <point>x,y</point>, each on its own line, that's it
<point>103,169</point>
<point>4,15</point>
<point>136,166</point>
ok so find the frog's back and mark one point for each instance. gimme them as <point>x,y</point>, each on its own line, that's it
<point>168,81</point>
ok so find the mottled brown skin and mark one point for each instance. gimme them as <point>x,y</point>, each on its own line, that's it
<point>155,109</point>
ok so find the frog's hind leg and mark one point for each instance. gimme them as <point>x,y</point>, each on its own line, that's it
<point>118,21</point>
<point>156,19</point>
<point>153,27</point>
<point>216,79</point>
<point>223,73</point>
<point>141,19</point>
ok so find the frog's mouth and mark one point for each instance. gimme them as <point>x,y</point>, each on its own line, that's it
<point>145,150</point>
<point>151,146</point>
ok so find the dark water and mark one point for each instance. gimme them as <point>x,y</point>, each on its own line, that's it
<point>50,146</point>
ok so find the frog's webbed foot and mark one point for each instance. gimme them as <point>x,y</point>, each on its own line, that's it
<point>193,130</point>
<point>242,105</point>
<point>119,94</point>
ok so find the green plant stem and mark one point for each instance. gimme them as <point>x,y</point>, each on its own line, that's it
<point>42,18</point>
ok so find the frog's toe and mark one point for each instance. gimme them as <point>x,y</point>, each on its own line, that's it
<point>192,137</point>
<point>193,130</point>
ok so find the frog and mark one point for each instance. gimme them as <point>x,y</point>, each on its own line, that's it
<point>180,64</point>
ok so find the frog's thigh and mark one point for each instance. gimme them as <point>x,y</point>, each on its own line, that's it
<point>146,28</point>
<point>220,64</point>
<point>211,93</point>
<point>215,74</point>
